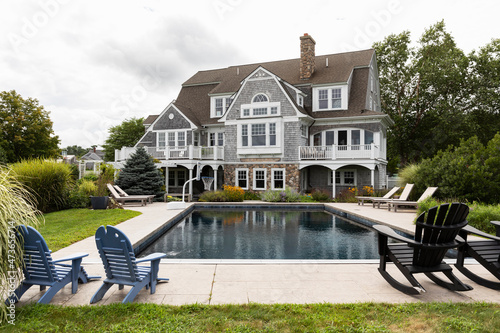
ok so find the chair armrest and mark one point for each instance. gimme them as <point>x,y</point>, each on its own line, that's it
<point>78,255</point>
<point>152,257</point>
<point>386,231</point>
<point>478,232</point>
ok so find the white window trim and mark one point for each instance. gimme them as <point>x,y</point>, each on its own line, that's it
<point>272,178</point>
<point>255,179</point>
<point>342,183</point>
<point>336,136</point>
<point>176,172</point>
<point>236,171</point>
<point>343,94</point>
<point>261,105</point>
<point>225,106</point>
<point>267,145</point>
<point>166,139</point>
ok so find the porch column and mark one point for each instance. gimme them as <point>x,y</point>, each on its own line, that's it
<point>166,179</point>
<point>333,184</point>
<point>372,172</point>
<point>215,178</point>
<point>190,183</point>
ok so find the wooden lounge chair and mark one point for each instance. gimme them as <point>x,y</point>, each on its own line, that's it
<point>486,252</point>
<point>435,233</point>
<point>121,266</point>
<point>40,269</point>
<point>403,197</point>
<point>143,199</point>
<point>388,195</point>
<point>122,193</point>
<point>396,203</point>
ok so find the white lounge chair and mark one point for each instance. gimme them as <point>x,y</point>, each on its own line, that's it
<point>428,193</point>
<point>403,197</point>
<point>388,195</point>
<point>143,199</point>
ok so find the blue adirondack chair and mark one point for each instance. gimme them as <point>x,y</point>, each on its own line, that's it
<point>121,266</point>
<point>40,269</point>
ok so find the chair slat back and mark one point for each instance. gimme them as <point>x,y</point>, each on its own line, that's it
<point>119,189</point>
<point>117,254</point>
<point>38,263</point>
<point>440,225</point>
<point>391,192</point>
<point>406,192</point>
<point>113,191</point>
<point>427,193</point>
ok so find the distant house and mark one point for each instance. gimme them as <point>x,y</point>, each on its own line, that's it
<point>311,123</point>
<point>92,158</point>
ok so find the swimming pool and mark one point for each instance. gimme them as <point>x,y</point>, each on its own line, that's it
<point>257,233</point>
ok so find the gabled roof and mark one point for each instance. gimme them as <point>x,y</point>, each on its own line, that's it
<point>194,101</point>
<point>339,69</point>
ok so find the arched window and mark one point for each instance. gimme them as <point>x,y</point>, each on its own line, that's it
<point>260,98</point>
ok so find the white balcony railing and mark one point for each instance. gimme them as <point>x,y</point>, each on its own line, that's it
<point>174,153</point>
<point>332,152</point>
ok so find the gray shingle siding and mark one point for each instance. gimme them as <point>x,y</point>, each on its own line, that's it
<point>178,122</point>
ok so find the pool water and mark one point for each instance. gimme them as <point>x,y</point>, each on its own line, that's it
<point>266,234</point>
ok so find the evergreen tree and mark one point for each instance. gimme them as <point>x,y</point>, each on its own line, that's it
<point>140,176</point>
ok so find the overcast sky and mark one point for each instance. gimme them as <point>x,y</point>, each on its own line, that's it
<point>93,64</point>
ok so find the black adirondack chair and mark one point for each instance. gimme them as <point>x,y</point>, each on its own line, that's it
<point>486,252</point>
<point>435,234</point>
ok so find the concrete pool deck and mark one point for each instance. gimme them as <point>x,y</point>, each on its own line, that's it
<point>244,281</point>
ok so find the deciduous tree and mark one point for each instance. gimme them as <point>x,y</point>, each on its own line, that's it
<point>124,135</point>
<point>26,129</point>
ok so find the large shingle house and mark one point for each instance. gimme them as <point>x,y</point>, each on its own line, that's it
<point>308,123</point>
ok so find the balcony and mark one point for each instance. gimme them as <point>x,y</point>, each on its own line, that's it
<point>333,152</point>
<point>174,153</point>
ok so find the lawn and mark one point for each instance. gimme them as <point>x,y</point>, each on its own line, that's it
<point>66,227</point>
<point>359,317</point>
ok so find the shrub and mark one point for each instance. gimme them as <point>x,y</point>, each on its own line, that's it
<point>87,187</point>
<point>17,206</point>
<point>409,174</point>
<point>233,193</point>
<point>77,199</point>
<point>251,196</point>
<point>211,196</point>
<point>287,195</point>
<point>48,180</point>
<point>347,195</point>
<point>320,196</point>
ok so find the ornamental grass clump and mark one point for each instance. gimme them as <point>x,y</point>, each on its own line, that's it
<point>17,206</point>
<point>49,181</point>
<point>286,195</point>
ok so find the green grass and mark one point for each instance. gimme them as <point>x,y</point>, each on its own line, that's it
<point>66,227</point>
<point>359,317</point>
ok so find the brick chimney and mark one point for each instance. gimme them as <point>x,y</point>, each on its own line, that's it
<point>307,56</point>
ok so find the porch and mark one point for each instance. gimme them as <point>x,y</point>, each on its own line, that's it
<point>215,153</point>
<point>333,152</point>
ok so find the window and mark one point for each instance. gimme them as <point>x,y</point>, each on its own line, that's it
<point>219,105</point>
<point>300,100</point>
<point>272,134</point>
<point>244,135</point>
<point>329,98</point>
<point>220,139</point>
<point>277,179</point>
<point>260,107</point>
<point>171,139</point>
<point>368,137</point>
<point>303,130</point>
<point>196,138</point>
<point>336,98</point>
<point>323,99</point>
<point>258,134</point>
<point>242,178</point>
<point>181,139</point>
<point>329,138</point>
<point>259,179</point>
<point>161,140</point>
<point>343,177</point>
<point>219,109</point>
<point>176,177</point>
<point>260,98</point>
<point>211,139</point>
